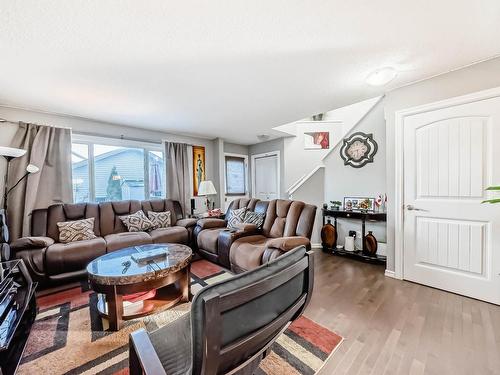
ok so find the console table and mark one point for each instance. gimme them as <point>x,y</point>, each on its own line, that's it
<point>17,313</point>
<point>364,216</point>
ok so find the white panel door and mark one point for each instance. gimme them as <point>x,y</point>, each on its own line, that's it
<point>266,177</point>
<point>451,239</point>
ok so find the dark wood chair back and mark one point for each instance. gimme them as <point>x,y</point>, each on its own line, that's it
<point>234,323</point>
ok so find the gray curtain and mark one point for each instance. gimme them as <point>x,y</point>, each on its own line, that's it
<point>48,148</point>
<point>177,173</point>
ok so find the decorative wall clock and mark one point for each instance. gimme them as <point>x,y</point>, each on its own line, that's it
<point>358,149</point>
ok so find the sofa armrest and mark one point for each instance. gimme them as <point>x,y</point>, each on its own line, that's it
<point>246,227</point>
<point>186,223</point>
<point>225,241</point>
<point>26,243</point>
<point>211,223</point>
<point>288,243</point>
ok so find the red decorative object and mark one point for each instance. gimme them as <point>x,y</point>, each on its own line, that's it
<point>215,212</point>
<point>136,297</point>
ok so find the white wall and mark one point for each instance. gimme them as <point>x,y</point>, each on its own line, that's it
<point>313,192</point>
<point>477,77</point>
<point>85,126</point>
<point>368,181</point>
<point>300,162</point>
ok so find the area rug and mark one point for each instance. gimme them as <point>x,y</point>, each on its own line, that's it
<point>69,336</point>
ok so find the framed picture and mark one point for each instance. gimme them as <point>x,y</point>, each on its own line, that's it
<point>198,167</point>
<point>316,140</point>
<point>359,204</point>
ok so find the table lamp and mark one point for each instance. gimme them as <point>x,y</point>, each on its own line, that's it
<point>207,188</point>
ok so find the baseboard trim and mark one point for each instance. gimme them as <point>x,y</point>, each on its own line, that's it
<point>316,246</point>
<point>390,273</point>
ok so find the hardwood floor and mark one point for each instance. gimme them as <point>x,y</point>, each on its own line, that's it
<point>398,327</point>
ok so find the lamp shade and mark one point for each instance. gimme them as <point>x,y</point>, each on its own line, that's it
<point>10,152</point>
<point>206,188</point>
<point>32,168</point>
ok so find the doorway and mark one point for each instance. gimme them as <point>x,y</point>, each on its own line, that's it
<point>450,239</point>
<point>266,175</point>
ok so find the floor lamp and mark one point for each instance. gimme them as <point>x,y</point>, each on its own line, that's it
<point>10,153</point>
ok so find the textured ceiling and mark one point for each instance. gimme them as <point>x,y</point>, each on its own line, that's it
<point>230,69</point>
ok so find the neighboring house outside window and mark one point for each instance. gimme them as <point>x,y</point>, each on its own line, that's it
<point>104,172</point>
<point>236,183</point>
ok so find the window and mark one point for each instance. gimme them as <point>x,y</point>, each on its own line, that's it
<point>110,170</point>
<point>235,175</point>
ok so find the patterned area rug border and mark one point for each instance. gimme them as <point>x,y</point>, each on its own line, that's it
<point>70,337</point>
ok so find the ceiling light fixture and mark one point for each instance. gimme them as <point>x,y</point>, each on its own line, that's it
<point>382,76</point>
<point>263,137</point>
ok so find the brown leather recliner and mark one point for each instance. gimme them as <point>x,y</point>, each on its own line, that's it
<point>288,224</point>
<point>51,262</point>
<point>214,239</point>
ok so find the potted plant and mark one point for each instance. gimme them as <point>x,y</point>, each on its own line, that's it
<point>494,200</point>
<point>335,205</point>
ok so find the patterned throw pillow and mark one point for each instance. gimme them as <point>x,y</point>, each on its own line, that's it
<point>236,217</point>
<point>77,230</point>
<point>254,218</point>
<point>159,219</point>
<point>137,222</point>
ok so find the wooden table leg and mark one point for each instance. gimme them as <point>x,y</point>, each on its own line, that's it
<point>185,284</point>
<point>115,310</point>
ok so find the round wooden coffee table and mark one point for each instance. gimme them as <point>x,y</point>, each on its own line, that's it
<point>117,274</point>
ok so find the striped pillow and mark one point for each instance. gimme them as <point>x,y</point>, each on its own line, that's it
<point>254,218</point>
<point>77,230</point>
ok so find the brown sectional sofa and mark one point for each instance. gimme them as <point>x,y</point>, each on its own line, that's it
<point>52,262</point>
<point>287,224</point>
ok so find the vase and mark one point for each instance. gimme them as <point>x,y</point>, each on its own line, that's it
<point>370,244</point>
<point>328,236</point>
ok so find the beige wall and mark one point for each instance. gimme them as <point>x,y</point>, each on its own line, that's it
<point>80,125</point>
<point>477,77</point>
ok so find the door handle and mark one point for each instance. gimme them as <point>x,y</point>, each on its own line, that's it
<point>410,207</point>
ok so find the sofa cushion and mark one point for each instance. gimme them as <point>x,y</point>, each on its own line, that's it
<point>73,256</point>
<point>162,205</point>
<point>246,252</point>
<point>208,238</point>
<point>76,230</point>
<point>110,212</point>
<point>117,241</point>
<point>58,213</point>
<point>172,234</point>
